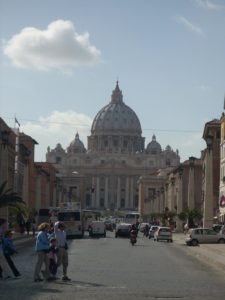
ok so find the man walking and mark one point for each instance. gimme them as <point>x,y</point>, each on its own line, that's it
<point>62,254</point>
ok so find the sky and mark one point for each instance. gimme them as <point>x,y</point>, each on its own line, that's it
<point>60,60</point>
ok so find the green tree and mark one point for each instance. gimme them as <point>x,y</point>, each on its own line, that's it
<point>190,216</point>
<point>8,198</point>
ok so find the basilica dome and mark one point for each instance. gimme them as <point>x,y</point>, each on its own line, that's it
<point>154,147</point>
<point>116,118</point>
<point>76,146</point>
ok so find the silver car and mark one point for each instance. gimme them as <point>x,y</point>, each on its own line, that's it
<point>197,236</point>
<point>163,234</point>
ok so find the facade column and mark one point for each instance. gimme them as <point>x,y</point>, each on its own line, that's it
<point>180,201</point>
<point>93,195</point>
<point>162,201</point>
<point>171,194</point>
<point>158,201</point>
<point>132,192</point>
<point>127,194</point>
<point>191,185</point>
<point>166,204</point>
<point>107,192</point>
<point>118,193</point>
<point>208,199</point>
<point>97,192</point>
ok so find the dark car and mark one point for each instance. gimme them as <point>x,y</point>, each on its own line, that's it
<point>122,230</point>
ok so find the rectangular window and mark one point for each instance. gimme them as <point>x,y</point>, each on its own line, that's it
<point>58,159</point>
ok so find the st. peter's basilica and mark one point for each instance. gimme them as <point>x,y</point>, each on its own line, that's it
<point>106,174</point>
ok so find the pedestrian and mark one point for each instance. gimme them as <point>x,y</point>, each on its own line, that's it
<point>186,228</point>
<point>42,249</point>
<point>28,226</point>
<point>33,227</point>
<point>53,256</point>
<point>9,250</point>
<point>5,270</point>
<point>62,254</point>
<point>21,222</point>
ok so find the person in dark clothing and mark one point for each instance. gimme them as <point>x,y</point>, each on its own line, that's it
<point>28,226</point>
<point>9,250</point>
<point>53,256</point>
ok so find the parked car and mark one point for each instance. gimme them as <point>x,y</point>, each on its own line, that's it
<point>152,230</point>
<point>163,234</point>
<point>123,230</point>
<point>197,236</point>
<point>97,228</point>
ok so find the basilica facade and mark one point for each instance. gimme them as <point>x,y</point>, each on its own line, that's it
<point>105,175</point>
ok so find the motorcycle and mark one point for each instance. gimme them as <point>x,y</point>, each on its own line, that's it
<point>133,238</point>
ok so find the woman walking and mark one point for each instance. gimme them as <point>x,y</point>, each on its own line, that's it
<point>42,249</point>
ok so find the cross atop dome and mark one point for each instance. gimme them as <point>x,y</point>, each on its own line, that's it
<point>117,96</point>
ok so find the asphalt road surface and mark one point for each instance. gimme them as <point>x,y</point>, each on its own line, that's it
<point>110,268</point>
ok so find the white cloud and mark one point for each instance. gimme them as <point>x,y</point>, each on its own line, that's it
<point>57,47</point>
<point>58,127</point>
<point>207,4</point>
<point>190,26</point>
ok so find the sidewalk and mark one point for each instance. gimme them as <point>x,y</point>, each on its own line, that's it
<point>19,238</point>
<point>211,254</point>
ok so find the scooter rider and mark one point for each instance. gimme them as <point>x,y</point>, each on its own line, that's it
<point>133,232</point>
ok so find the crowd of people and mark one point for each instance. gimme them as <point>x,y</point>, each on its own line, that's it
<point>50,247</point>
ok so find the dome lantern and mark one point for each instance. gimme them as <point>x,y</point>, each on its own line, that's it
<point>117,96</point>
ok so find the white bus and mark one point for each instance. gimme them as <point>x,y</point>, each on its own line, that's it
<point>131,217</point>
<point>47,214</point>
<point>73,222</point>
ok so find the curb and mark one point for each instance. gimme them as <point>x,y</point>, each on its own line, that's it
<point>20,238</point>
<point>212,255</point>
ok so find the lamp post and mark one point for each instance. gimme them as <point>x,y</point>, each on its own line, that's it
<point>208,184</point>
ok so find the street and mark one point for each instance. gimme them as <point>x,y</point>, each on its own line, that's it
<point>110,268</point>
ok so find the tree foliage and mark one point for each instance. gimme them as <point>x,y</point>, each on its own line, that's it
<point>8,198</point>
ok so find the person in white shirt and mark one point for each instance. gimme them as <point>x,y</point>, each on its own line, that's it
<point>62,254</point>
